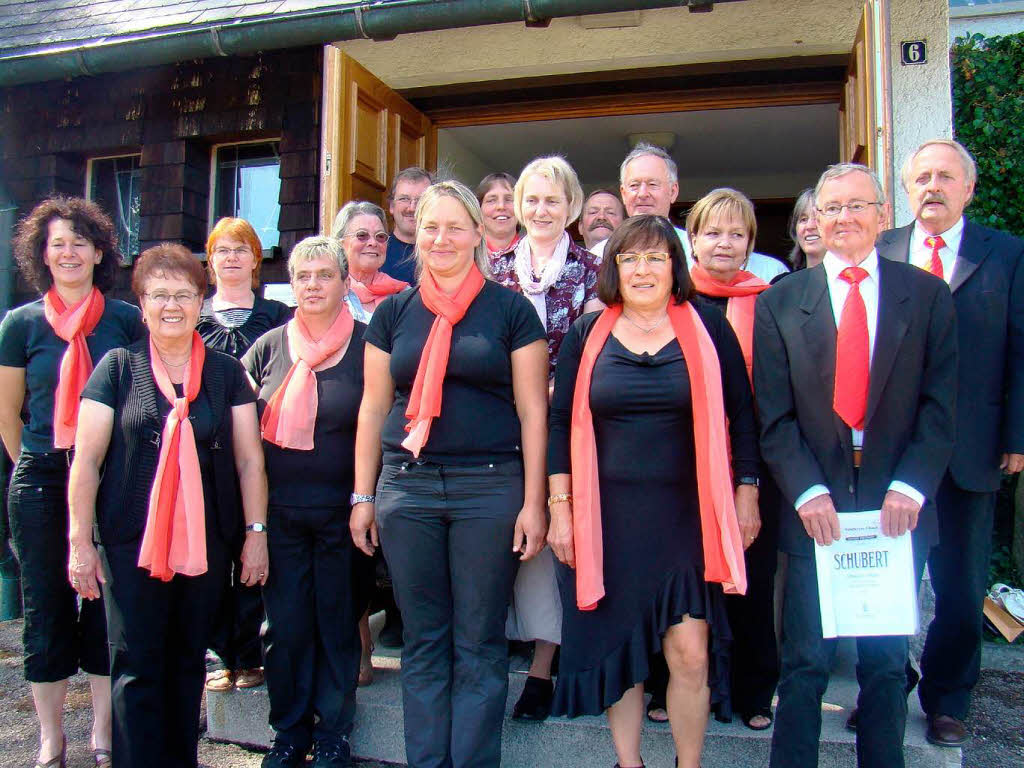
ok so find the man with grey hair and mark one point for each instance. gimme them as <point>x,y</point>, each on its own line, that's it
<point>404,195</point>
<point>844,428</point>
<point>983,268</point>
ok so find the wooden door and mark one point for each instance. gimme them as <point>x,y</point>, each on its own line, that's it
<point>369,134</point>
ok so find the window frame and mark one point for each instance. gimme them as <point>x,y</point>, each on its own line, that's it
<point>127,259</point>
<point>211,217</point>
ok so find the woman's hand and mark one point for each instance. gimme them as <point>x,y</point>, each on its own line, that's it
<point>255,560</point>
<point>747,513</point>
<point>560,537</point>
<point>84,570</point>
<point>363,525</point>
<point>531,526</point>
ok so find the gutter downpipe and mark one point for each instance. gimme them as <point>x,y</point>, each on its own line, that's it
<point>372,20</point>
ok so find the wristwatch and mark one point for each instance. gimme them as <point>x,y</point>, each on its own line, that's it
<point>748,480</point>
<point>357,498</point>
<point>256,527</point>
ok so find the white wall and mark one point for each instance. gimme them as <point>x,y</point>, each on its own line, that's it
<point>457,161</point>
<point>990,21</point>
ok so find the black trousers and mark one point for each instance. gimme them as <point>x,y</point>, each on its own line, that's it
<point>958,564</point>
<point>311,636</point>
<point>446,532</point>
<point>236,634</point>
<point>159,633</point>
<point>806,663</point>
<point>60,634</point>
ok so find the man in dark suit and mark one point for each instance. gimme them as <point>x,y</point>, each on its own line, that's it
<point>876,436</point>
<point>984,272</point>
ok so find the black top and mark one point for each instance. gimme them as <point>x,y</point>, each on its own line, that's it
<point>324,476</point>
<point>478,422</point>
<point>27,341</point>
<point>266,314</point>
<point>123,381</point>
<point>399,261</point>
<point>618,369</point>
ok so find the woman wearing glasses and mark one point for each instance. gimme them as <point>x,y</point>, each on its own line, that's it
<point>643,507</point>
<point>230,321</point>
<point>173,426</point>
<point>362,229</point>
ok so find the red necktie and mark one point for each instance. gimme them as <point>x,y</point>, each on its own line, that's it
<point>852,354</point>
<point>936,244</point>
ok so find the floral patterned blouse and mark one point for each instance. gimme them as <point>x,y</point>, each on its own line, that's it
<point>575,286</point>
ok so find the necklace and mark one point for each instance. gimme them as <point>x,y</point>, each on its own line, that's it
<point>172,365</point>
<point>649,330</point>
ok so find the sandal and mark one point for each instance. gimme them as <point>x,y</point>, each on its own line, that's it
<point>220,680</point>
<point>657,711</point>
<point>249,678</point>
<point>101,757</point>
<point>60,760</point>
<point>765,712</point>
<point>365,669</point>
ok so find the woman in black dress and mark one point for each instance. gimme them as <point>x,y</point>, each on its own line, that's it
<point>311,643</point>
<point>66,249</point>
<point>642,505</point>
<point>230,321</point>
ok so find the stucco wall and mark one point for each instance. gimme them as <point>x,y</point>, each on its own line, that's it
<point>921,100</point>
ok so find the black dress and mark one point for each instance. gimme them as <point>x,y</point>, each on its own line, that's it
<point>653,556</point>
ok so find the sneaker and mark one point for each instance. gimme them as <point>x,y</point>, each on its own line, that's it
<point>1011,599</point>
<point>331,753</point>
<point>283,755</point>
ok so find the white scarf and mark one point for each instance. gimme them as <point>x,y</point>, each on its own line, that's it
<point>533,289</point>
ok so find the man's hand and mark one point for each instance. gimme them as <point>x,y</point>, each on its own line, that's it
<point>1012,463</point>
<point>820,519</point>
<point>899,514</point>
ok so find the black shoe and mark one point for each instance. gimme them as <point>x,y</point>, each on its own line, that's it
<point>391,632</point>
<point>535,702</point>
<point>946,731</point>
<point>283,755</point>
<point>332,753</point>
<point>851,721</point>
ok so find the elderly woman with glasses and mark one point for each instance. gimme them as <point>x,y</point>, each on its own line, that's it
<point>230,320</point>
<point>643,507</point>
<point>361,227</point>
<point>167,433</point>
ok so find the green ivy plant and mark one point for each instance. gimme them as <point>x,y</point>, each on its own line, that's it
<point>988,118</point>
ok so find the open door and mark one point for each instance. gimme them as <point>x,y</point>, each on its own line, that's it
<point>369,134</point>
<point>865,125</point>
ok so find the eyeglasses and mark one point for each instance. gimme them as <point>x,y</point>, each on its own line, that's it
<point>242,250</point>
<point>832,210</point>
<point>162,298</point>
<point>364,236</point>
<point>653,258</point>
<point>406,200</point>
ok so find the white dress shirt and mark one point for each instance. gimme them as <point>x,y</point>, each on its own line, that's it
<point>921,254</point>
<point>838,290</point>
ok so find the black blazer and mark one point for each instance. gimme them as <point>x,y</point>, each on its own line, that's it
<point>988,292</point>
<point>908,433</point>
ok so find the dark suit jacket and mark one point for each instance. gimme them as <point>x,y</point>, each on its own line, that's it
<point>988,292</point>
<point>908,433</point>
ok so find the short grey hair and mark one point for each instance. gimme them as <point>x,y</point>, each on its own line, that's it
<point>970,168</point>
<point>356,208</point>
<point>843,169</point>
<point>643,149</point>
<point>462,193</point>
<point>318,247</point>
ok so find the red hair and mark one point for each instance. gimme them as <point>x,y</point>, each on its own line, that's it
<point>236,229</point>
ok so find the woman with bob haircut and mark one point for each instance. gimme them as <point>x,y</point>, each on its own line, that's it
<point>67,250</point>
<point>497,203</point>
<point>167,434</point>
<point>648,544</point>
<point>361,227</point>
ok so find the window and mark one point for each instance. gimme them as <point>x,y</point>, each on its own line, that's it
<point>115,183</point>
<point>247,184</point>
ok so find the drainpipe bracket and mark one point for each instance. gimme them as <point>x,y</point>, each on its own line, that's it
<point>360,15</point>
<point>531,19</point>
<point>215,39</point>
<point>700,6</point>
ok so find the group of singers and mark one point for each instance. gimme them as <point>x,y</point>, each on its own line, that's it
<point>600,449</point>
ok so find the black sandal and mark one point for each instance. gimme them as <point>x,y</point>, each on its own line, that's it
<point>534,704</point>
<point>765,712</point>
<point>657,702</point>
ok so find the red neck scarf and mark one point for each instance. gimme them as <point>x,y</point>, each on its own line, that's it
<point>175,537</point>
<point>742,292</point>
<point>380,286</point>
<point>491,249</point>
<point>72,324</point>
<point>290,415</point>
<point>425,398</point>
<point>723,549</point>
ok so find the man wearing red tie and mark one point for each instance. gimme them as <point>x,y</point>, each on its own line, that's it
<point>855,375</point>
<point>984,271</point>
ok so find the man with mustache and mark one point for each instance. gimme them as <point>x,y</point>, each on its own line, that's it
<point>602,214</point>
<point>406,189</point>
<point>983,269</point>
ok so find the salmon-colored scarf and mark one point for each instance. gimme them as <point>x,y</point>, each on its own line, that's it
<point>380,286</point>
<point>290,415</point>
<point>723,549</point>
<point>742,292</point>
<point>72,324</point>
<point>175,537</point>
<point>425,398</point>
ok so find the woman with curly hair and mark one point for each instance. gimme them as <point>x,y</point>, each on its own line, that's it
<point>66,249</point>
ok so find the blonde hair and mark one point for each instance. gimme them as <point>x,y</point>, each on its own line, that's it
<point>315,247</point>
<point>723,202</point>
<point>464,195</point>
<point>557,171</point>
